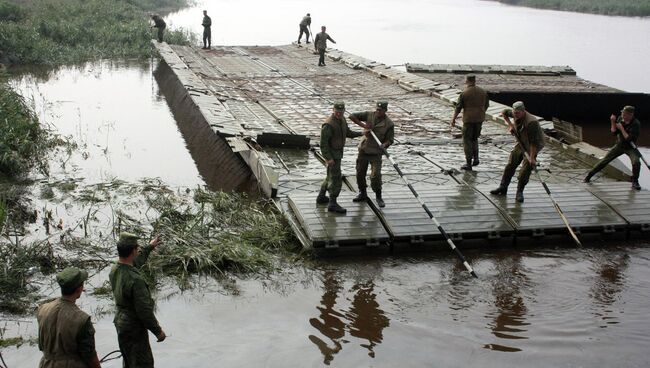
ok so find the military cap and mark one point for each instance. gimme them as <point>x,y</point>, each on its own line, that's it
<point>470,79</point>
<point>127,239</point>
<point>339,106</point>
<point>71,278</point>
<point>518,106</point>
<point>629,109</point>
<point>382,105</point>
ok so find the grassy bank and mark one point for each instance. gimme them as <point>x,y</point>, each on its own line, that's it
<point>637,8</point>
<point>67,31</point>
<point>23,142</point>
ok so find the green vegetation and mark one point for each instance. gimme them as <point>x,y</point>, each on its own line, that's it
<point>23,143</point>
<point>639,8</point>
<point>67,31</point>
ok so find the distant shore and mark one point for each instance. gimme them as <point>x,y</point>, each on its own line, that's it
<point>629,8</point>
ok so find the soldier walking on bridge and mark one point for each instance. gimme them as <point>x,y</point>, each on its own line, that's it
<point>473,101</point>
<point>304,28</point>
<point>627,129</point>
<point>65,333</point>
<point>527,128</point>
<point>134,316</point>
<point>332,142</point>
<point>159,23</point>
<point>370,153</point>
<point>207,31</point>
<point>320,44</point>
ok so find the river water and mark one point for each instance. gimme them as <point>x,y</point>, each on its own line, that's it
<point>532,306</point>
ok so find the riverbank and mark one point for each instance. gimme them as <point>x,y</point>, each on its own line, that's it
<point>629,8</point>
<point>55,32</point>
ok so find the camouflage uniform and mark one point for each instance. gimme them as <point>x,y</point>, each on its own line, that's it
<point>207,31</point>
<point>135,312</point>
<point>161,25</point>
<point>529,132</point>
<point>65,333</point>
<point>474,101</point>
<point>369,151</point>
<point>332,141</point>
<point>304,27</point>
<point>623,146</point>
<point>320,44</point>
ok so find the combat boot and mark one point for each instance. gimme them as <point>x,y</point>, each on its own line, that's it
<point>379,199</point>
<point>502,189</point>
<point>322,198</point>
<point>519,197</point>
<point>334,207</point>
<point>476,161</point>
<point>363,196</point>
<point>636,185</point>
<point>587,178</point>
<point>467,166</point>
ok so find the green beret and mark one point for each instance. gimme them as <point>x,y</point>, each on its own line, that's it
<point>71,278</point>
<point>518,106</point>
<point>127,239</point>
<point>382,105</point>
<point>339,106</point>
<point>629,109</point>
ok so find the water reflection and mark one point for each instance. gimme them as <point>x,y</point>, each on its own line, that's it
<point>509,322</point>
<point>609,283</point>
<point>364,319</point>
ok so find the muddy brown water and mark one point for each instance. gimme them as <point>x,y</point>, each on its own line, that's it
<point>535,308</point>
<point>539,307</point>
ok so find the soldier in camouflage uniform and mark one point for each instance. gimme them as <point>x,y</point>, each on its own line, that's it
<point>473,101</point>
<point>207,31</point>
<point>627,129</point>
<point>531,135</point>
<point>135,307</point>
<point>304,28</point>
<point>320,45</point>
<point>65,333</point>
<point>332,142</point>
<point>370,152</point>
<point>159,23</point>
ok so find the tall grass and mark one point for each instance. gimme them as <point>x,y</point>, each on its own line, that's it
<point>23,142</point>
<point>640,8</point>
<point>68,31</point>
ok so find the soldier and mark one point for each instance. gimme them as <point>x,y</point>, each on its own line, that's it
<point>134,315</point>
<point>65,333</point>
<point>474,102</point>
<point>207,30</point>
<point>320,45</point>
<point>332,142</point>
<point>527,128</point>
<point>159,23</point>
<point>369,150</point>
<point>627,129</point>
<point>304,28</point>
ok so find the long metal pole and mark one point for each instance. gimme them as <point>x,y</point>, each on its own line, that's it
<point>426,209</point>
<point>548,191</point>
<point>640,155</point>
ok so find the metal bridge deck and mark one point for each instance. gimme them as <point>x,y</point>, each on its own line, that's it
<point>268,104</point>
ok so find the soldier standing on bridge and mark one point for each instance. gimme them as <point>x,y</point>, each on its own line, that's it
<point>627,129</point>
<point>65,333</point>
<point>527,128</point>
<point>159,23</point>
<point>332,141</point>
<point>320,44</point>
<point>370,152</point>
<point>473,101</point>
<point>134,316</point>
<point>207,31</point>
<point>304,28</point>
